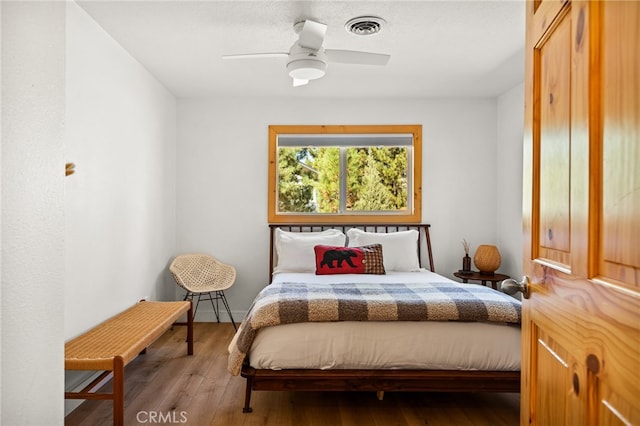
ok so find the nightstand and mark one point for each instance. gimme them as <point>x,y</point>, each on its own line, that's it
<point>483,278</point>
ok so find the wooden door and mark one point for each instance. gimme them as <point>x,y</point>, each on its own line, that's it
<point>581,208</point>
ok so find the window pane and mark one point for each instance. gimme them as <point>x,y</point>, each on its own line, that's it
<point>327,163</point>
<point>308,180</point>
<point>296,181</point>
<point>376,179</point>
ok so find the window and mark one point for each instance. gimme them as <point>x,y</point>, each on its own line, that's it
<point>343,174</point>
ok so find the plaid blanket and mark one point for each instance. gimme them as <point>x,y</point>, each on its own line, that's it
<point>286,303</point>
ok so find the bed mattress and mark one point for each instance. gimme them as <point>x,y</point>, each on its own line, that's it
<point>433,345</point>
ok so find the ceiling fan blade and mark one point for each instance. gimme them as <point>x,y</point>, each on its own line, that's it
<point>298,82</point>
<point>356,57</point>
<point>257,55</point>
<point>312,35</point>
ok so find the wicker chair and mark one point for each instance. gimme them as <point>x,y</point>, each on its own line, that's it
<point>203,276</point>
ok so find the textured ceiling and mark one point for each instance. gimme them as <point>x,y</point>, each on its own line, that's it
<point>437,48</point>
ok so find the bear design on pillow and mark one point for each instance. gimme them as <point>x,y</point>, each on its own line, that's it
<point>338,256</point>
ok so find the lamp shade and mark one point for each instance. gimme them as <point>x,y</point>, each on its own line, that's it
<point>487,259</point>
<point>306,69</point>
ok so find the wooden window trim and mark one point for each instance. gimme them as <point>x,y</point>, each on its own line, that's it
<point>411,217</point>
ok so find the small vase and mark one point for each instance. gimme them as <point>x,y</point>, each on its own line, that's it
<point>466,263</point>
<point>487,259</point>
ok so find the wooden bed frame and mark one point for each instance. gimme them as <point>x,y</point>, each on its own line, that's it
<point>373,380</point>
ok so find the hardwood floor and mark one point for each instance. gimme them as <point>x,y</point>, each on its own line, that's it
<point>165,386</point>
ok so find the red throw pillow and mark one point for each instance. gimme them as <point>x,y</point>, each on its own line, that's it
<point>349,260</point>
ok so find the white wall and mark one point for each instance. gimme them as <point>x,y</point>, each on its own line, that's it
<point>1,98</point>
<point>509,165</point>
<point>222,174</point>
<point>33,97</point>
<point>120,203</point>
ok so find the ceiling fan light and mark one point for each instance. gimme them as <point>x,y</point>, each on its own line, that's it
<point>306,69</point>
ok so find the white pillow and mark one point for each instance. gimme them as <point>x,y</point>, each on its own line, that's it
<point>399,249</point>
<point>295,249</point>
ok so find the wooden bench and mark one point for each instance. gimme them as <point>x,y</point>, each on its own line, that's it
<point>111,345</point>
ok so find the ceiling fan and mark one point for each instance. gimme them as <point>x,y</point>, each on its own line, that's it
<point>307,59</point>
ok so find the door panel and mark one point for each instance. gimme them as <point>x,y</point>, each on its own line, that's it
<point>554,144</point>
<point>557,399</point>
<point>581,214</point>
<point>620,256</point>
<point>616,411</point>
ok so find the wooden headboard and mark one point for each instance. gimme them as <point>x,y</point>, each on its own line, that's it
<point>424,240</point>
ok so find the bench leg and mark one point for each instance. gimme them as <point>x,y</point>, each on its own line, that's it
<point>118,391</point>
<point>190,330</point>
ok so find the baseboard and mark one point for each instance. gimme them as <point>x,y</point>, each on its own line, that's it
<point>207,315</point>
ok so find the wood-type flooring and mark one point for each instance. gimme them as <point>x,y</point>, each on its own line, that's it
<point>165,386</point>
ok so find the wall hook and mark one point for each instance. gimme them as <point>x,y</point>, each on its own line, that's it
<point>69,169</point>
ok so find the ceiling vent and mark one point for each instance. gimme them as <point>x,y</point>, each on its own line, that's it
<point>364,25</point>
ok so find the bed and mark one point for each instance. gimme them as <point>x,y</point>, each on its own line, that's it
<point>369,343</point>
